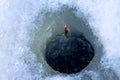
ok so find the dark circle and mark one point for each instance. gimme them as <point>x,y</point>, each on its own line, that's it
<point>69,55</point>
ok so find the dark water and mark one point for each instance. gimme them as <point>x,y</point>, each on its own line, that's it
<point>69,55</point>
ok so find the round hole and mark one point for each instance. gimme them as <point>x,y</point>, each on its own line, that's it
<point>69,55</point>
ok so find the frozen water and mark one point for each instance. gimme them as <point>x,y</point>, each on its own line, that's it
<point>24,32</point>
